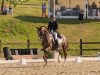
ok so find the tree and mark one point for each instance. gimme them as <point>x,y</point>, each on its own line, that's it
<point>2,4</point>
<point>56,1</point>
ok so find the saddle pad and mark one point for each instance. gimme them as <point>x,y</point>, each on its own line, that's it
<point>59,40</point>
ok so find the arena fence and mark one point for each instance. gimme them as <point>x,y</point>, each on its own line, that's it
<point>28,44</point>
<point>74,51</point>
<point>87,43</point>
<point>12,54</point>
<point>77,51</point>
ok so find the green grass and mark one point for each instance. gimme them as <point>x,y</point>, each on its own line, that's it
<point>27,17</point>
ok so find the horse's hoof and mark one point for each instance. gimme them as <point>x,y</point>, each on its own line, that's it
<point>59,61</point>
<point>63,65</point>
<point>45,65</point>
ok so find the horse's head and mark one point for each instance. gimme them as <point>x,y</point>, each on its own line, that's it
<point>41,31</point>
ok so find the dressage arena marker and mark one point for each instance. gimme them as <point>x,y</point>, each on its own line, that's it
<point>78,60</point>
<point>23,61</point>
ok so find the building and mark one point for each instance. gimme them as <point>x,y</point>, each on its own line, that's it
<point>72,8</point>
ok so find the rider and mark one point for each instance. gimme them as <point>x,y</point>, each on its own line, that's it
<point>53,27</point>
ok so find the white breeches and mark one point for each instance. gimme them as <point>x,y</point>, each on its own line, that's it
<point>54,34</point>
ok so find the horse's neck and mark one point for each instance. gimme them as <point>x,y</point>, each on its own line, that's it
<point>47,34</point>
<point>45,39</point>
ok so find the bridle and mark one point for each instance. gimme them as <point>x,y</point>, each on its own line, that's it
<point>41,34</point>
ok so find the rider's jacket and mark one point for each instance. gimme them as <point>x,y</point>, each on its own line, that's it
<point>53,25</point>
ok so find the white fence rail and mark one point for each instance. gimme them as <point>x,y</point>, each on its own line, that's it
<point>75,59</point>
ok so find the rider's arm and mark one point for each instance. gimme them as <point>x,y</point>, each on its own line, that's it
<point>49,26</point>
<point>56,25</point>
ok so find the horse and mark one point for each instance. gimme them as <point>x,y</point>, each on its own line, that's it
<point>48,43</point>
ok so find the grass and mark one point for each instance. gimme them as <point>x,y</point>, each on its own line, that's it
<point>27,17</point>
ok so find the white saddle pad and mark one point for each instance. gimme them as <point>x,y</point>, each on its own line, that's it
<point>59,40</point>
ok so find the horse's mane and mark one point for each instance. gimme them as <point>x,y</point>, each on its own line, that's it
<point>43,26</point>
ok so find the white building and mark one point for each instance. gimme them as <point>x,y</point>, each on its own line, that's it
<point>72,8</point>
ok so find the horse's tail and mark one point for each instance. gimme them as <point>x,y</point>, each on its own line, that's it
<point>65,44</point>
<point>65,47</point>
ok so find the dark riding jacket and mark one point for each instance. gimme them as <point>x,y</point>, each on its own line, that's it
<point>53,25</point>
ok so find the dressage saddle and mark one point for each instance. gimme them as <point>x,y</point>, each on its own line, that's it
<point>58,35</point>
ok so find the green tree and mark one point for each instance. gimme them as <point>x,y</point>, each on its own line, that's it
<point>56,1</point>
<point>2,4</point>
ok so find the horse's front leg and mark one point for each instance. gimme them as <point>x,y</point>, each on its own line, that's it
<point>56,56</point>
<point>59,56</point>
<point>45,57</point>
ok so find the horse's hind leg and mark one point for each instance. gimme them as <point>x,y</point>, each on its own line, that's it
<point>65,47</point>
<point>45,57</point>
<point>59,56</point>
<point>65,55</point>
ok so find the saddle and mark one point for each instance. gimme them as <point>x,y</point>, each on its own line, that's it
<point>58,35</point>
<point>56,41</point>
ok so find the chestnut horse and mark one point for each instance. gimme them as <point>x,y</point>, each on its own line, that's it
<point>48,43</point>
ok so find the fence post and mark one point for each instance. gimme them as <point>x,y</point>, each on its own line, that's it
<point>28,41</point>
<point>0,47</point>
<point>80,47</point>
